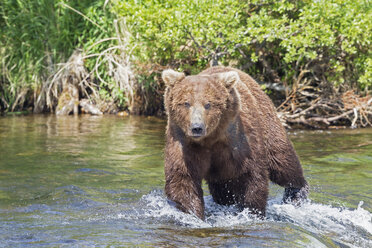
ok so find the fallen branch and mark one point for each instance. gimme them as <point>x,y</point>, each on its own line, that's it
<point>320,112</point>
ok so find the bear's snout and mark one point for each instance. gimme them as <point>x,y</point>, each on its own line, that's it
<point>197,126</point>
<point>197,129</point>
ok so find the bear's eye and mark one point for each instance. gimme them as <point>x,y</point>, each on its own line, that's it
<point>187,105</point>
<point>207,106</point>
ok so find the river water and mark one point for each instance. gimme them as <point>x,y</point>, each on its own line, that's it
<point>93,181</point>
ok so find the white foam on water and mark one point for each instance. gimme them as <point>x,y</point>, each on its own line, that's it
<point>350,227</point>
<point>156,205</point>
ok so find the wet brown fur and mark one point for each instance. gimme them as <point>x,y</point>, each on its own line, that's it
<point>244,147</point>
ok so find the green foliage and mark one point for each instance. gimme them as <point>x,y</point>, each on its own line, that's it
<point>163,30</point>
<point>271,39</point>
<point>37,35</point>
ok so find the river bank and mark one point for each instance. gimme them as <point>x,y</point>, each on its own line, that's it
<point>312,58</point>
<point>347,111</point>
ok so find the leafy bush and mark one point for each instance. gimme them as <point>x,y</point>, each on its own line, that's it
<point>35,36</point>
<point>276,41</point>
<point>323,43</point>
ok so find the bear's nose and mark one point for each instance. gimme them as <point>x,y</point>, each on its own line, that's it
<point>197,129</point>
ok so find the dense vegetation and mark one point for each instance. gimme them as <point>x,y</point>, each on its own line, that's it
<point>36,37</point>
<point>281,37</point>
<point>307,52</point>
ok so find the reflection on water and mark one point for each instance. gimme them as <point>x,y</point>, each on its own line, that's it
<point>98,181</point>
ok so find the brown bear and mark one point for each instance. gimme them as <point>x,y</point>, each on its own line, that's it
<point>223,128</point>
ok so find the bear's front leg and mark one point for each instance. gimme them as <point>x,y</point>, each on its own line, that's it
<point>183,180</point>
<point>186,193</point>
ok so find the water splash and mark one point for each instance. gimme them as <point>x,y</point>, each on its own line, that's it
<point>157,206</point>
<point>348,227</point>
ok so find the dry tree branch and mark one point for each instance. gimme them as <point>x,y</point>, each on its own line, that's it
<point>360,112</point>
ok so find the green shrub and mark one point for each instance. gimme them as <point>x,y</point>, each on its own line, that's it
<point>273,40</point>
<point>36,36</point>
<point>286,42</point>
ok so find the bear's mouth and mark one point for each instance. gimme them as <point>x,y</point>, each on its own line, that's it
<point>197,136</point>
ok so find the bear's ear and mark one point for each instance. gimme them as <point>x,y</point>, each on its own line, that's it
<point>171,77</point>
<point>228,79</point>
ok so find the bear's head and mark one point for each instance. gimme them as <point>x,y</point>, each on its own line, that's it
<point>200,105</point>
